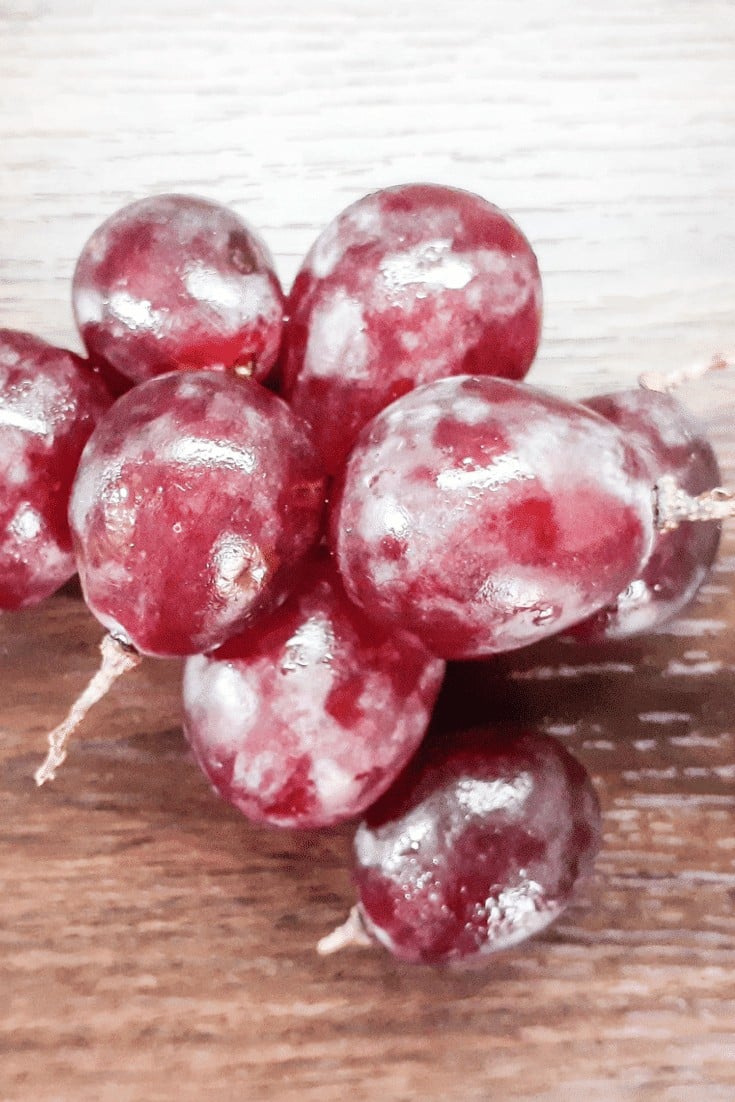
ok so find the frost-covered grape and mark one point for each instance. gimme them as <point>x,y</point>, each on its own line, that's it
<point>174,281</point>
<point>673,444</point>
<point>478,846</point>
<point>407,285</point>
<point>307,717</point>
<point>195,497</point>
<point>50,401</point>
<point>482,515</point>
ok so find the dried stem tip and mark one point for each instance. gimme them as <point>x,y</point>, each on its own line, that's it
<point>674,505</point>
<point>351,932</point>
<point>665,381</point>
<point>116,660</point>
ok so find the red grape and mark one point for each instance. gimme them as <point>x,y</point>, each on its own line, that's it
<point>49,403</point>
<point>195,497</point>
<point>478,846</point>
<point>305,719</point>
<point>174,281</point>
<point>407,285</point>
<point>672,444</point>
<point>482,514</point>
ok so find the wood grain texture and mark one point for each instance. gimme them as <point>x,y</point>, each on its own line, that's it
<point>155,946</point>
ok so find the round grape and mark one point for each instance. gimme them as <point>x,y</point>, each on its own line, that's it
<point>306,718</point>
<point>175,281</point>
<point>407,285</point>
<point>672,444</point>
<point>478,846</point>
<point>482,515</point>
<point>195,497</point>
<point>50,401</point>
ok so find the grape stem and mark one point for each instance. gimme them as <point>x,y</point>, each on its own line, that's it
<point>351,932</point>
<point>666,381</point>
<point>674,505</point>
<point>116,660</point>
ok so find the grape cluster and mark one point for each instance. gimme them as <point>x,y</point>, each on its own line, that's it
<point>319,500</point>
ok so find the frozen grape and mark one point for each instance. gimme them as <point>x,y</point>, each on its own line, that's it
<point>174,281</point>
<point>195,497</point>
<point>673,445</point>
<point>307,717</point>
<point>482,515</point>
<point>478,846</point>
<point>50,401</point>
<point>407,285</point>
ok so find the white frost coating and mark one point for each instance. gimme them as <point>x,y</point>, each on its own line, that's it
<point>299,709</point>
<point>432,264</point>
<point>89,306</point>
<point>335,787</point>
<point>383,516</point>
<point>212,287</point>
<point>53,562</point>
<point>26,420</point>
<point>234,557</point>
<point>9,357</point>
<point>326,252</point>
<point>189,388</point>
<point>235,299</point>
<point>41,403</point>
<point>338,342</point>
<point>237,703</point>
<point>139,313</point>
<point>357,225</point>
<point>516,914</point>
<point>675,431</point>
<point>380,849</point>
<point>197,451</point>
<point>377,699</point>
<point>410,340</point>
<point>94,476</point>
<point>118,495</point>
<point>545,438</point>
<point>14,470</point>
<point>471,410</point>
<point>395,519</point>
<point>249,773</point>
<point>312,642</point>
<point>26,523</point>
<point>508,284</point>
<point>480,797</point>
<point>503,469</point>
<point>364,219</point>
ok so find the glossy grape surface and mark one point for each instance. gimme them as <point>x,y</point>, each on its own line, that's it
<point>174,281</point>
<point>307,717</point>
<point>672,443</point>
<point>407,285</point>
<point>477,846</point>
<point>482,515</point>
<point>49,403</point>
<point>195,497</point>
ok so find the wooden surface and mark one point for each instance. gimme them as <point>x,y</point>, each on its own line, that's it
<point>154,946</point>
